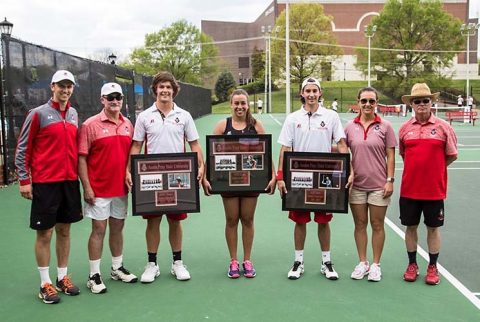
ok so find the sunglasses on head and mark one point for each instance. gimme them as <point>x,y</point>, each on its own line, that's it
<point>423,100</point>
<point>111,97</point>
<point>371,101</point>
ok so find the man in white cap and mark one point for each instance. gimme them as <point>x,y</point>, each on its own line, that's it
<point>104,147</point>
<point>310,129</point>
<point>46,162</point>
<point>428,145</point>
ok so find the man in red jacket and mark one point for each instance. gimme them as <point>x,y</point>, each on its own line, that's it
<point>46,160</point>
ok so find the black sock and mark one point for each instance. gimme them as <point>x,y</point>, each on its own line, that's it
<point>152,257</point>
<point>177,256</point>
<point>433,258</point>
<point>412,257</point>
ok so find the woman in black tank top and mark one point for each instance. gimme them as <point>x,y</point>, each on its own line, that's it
<point>240,207</point>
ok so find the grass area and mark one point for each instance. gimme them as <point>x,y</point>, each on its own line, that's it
<point>344,91</point>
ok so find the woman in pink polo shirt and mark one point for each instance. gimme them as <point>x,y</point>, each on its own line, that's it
<point>372,143</point>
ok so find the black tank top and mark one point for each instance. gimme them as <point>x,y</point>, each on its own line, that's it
<point>250,129</point>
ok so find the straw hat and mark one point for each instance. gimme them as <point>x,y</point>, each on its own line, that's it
<point>420,90</point>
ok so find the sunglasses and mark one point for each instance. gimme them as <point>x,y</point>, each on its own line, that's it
<point>371,101</point>
<point>419,101</point>
<point>111,97</point>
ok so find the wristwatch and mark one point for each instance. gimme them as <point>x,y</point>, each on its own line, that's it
<point>391,179</point>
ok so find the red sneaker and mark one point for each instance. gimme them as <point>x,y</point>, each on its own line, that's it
<point>432,278</point>
<point>411,273</point>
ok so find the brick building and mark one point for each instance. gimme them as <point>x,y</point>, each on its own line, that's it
<point>349,19</point>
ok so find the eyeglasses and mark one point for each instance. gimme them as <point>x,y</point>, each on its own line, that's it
<point>423,100</point>
<point>371,101</point>
<point>111,97</point>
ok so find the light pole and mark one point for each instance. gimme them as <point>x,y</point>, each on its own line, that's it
<point>344,69</point>
<point>112,59</point>
<point>5,32</point>
<point>369,33</point>
<point>266,30</point>
<point>468,30</point>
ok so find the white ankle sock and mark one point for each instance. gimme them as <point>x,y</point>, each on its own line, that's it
<point>326,257</point>
<point>117,262</point>
<point>61,272</point>
<point>299,256</point>
<point>44,275</point>
<point>94,267</point>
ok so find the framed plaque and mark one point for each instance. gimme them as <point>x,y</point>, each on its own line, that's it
<point>164,183</point>
<point>316,181</point>
<point>239,163</point>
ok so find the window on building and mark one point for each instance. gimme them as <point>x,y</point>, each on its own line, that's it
<point>243,62</point>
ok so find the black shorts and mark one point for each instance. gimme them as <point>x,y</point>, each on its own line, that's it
<point>55,202</point>
<point>411,211</point>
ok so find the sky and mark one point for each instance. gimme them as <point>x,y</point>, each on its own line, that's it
<point>86,27</point>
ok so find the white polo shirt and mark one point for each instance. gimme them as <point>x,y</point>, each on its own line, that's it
<point>304,133</point>
<point>165,135</point>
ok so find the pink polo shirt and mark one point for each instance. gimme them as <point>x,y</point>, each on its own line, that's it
<point>107,147</point>
<point>424,148</point>
<point>368,147</point>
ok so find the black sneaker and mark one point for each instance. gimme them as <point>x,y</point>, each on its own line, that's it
<point>66,286</point>
<point>296,271</point>
<point>49,294</point>
<point>123,275</point>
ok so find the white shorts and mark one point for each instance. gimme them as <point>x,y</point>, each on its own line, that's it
<point>359,197</point>
<point>107,207</point>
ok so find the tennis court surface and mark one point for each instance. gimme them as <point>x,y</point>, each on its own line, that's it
<point>211,296</point>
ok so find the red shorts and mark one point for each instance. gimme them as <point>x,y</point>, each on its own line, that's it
<point>176,217</point>
<point>303,217</point>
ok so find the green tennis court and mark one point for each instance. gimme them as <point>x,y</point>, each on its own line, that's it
<point>211,296</point>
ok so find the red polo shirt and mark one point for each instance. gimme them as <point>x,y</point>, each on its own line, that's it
<point>424,148</point>
<point>107,147</point>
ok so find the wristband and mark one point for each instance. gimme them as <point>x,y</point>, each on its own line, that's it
<point>279,175</point>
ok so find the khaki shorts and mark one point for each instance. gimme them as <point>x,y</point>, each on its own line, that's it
<point>105,208</point>
<point>359,197</point>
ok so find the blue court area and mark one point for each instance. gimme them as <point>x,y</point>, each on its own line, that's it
<point>211,296</point>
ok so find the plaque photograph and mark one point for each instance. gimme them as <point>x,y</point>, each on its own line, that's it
<point>164,183</point>
<point>239,163</point>
<point>316,181</point>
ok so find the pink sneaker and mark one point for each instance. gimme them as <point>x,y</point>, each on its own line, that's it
<point>234,269</point>
<point>248,270</point>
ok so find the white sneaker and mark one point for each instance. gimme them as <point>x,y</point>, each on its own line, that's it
<point>180,271</point>
<point>375,274</point>
<point>296,271</point>
<point>123,275</point>
<point>95,284</point>
<point>151,272</point>
<point>328,270</point>
<point>360,271</point>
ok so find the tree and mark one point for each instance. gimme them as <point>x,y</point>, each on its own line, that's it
<point>258,64</point>
<point>406,25</point>
<point>308,26</point>
<point>181,49</point>
<point>224,85</point>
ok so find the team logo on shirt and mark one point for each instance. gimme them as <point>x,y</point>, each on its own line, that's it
<point>377,128</point>
<point>299,126</point>
<point>322,124</point>
<point>433,131</point>
<point>177,120</point>
<point>105,131</point>
<point>50,117</point>
<point>152,121</point>
<point>126,129</point>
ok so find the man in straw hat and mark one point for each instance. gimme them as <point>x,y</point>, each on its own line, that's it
<point>427,145</point>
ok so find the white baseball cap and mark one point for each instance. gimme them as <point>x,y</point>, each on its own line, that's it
<point>110,88</point>
<point>311,81</point>
<point>63,75</point>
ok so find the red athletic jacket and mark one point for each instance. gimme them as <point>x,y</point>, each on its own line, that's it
<point>47,148</point>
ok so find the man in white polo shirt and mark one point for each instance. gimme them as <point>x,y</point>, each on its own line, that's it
<point>310,129</point>
<point>165,127</point>
<point>103,148</point>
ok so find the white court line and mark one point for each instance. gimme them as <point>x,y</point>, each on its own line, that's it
<point>476,294</point>
<point>452,279</point>
<point>275,119</point>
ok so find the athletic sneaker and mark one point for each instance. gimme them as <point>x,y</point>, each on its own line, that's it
<point>180,271</point>
<point>375,273</point>
<point>95,284</point>
<point>360,271</point>
<point>66,286</point>
<point>48,294</point>
<point>151,272</point>
<point>411,273</point>
<point>296,271</point>
<point>432,277</point>
<point>123,275</point>
<point>234,269</point>
<point>329,272</point>
<point>248,270</point>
